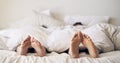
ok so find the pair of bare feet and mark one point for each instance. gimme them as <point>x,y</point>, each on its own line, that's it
<point>31,42</point>
<point>73,50</point>
<point>86,41</point>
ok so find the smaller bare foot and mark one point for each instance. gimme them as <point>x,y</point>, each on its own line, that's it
<point>22,49</point>
<point>40,50</point>
<point>88,43</point>
<point>74,45</point>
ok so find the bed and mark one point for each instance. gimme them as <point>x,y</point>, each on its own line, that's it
<point>12,57</point>
<point>52,28</point>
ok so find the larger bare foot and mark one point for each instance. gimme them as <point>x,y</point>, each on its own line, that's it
<point>88,43</point>
<point>22,49</point>
<point>38,47</point>
<point>74,45</point>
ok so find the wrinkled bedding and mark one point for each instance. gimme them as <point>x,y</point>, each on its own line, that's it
<point>105,37</point>
<point>51,38</point>
<point>12,57</point>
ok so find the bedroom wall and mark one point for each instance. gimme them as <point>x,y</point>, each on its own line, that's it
<point>12,10</point>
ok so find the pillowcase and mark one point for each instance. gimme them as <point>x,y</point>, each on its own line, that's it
<point>45,18</point>
<point>99,19</point>
<point>46,12</point>
<point>48,21</point>
<point>99,37</point>
<point>86,20</point>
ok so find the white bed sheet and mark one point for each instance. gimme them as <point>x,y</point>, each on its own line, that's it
<point>12,57</point>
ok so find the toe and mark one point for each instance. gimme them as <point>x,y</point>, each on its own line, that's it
<point>79,34</point>
<point>87,37</point>
<point>83,35</point>
<point>32,39</point>
<point>27,39</point>
<point>75,35</point>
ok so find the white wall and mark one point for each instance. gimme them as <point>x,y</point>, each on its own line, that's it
<point>12,10</point>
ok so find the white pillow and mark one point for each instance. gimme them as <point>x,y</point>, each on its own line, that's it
<point>48,21</point>
<point>99,37</point>
<point>46,18</point>
<point>86,20</point>
<point>46,12</point>
<point>99,19</point>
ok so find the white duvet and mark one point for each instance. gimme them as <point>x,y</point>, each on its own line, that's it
<point>14,37</point>
<point>105,37</point>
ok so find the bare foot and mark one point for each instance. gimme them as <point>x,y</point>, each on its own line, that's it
<point>88,43</point>
<point>38,47</point>
<point>74,45</point>
<point>22,49</point>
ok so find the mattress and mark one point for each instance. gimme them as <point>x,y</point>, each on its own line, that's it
<point>12,57</point>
